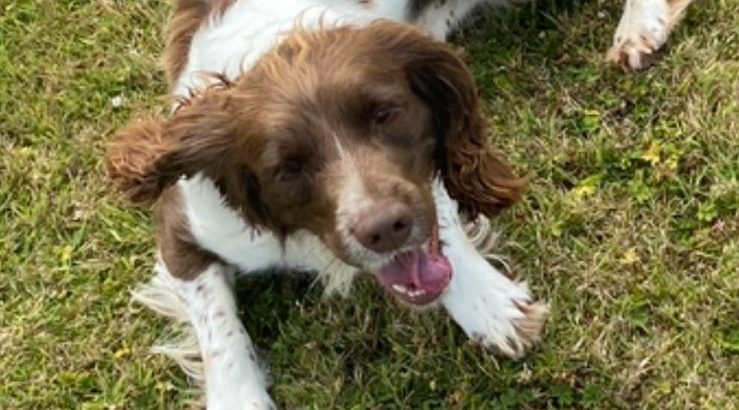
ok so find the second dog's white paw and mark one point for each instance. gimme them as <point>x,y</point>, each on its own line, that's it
<point>643,29</point>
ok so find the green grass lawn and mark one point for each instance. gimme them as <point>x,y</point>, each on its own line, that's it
<point>630,227</point>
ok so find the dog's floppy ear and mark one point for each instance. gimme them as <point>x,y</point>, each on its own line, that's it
<point>473,172</point>
<point>148,156</point>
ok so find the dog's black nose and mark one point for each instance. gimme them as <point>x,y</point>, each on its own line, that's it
<point>385,226</point>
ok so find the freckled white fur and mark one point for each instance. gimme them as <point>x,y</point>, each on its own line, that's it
<point>228,363</point>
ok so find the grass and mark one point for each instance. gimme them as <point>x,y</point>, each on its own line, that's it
<point>630,227</point>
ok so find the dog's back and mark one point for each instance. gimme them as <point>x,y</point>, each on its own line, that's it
<point>229,36</point>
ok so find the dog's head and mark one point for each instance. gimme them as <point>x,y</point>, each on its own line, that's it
<point>339,132</point>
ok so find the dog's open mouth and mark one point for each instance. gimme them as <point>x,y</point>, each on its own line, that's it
<point>417,276</point>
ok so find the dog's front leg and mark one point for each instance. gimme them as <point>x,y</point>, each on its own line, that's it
<point>492,309</point>
<point>233,378</point>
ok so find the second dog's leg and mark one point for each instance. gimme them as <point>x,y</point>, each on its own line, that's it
<point>441,17</point>
<point>644,27</point>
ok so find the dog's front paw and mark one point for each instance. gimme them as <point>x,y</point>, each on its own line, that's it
<point>495,312</point>
<point>492,309</point>
<point>528,329</point>
<point>510,327</point>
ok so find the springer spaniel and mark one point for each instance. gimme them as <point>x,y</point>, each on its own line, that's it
<point>330,136</point>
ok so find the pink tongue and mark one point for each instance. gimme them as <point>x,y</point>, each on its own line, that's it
<point>430,272</point>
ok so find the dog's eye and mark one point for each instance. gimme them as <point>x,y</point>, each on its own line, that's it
<point>290,169</point>
<point>384,115</point>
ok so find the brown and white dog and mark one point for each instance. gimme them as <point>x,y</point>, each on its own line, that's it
<point>335,136</point>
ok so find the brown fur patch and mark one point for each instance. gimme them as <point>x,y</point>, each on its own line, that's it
<point>150,155</point>
<point>131,159</point>
<point>474,173</point>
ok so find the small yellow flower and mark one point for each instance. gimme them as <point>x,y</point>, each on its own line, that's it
<point>629,257</point>
<point>653,153</point>
<point>123,351</point>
